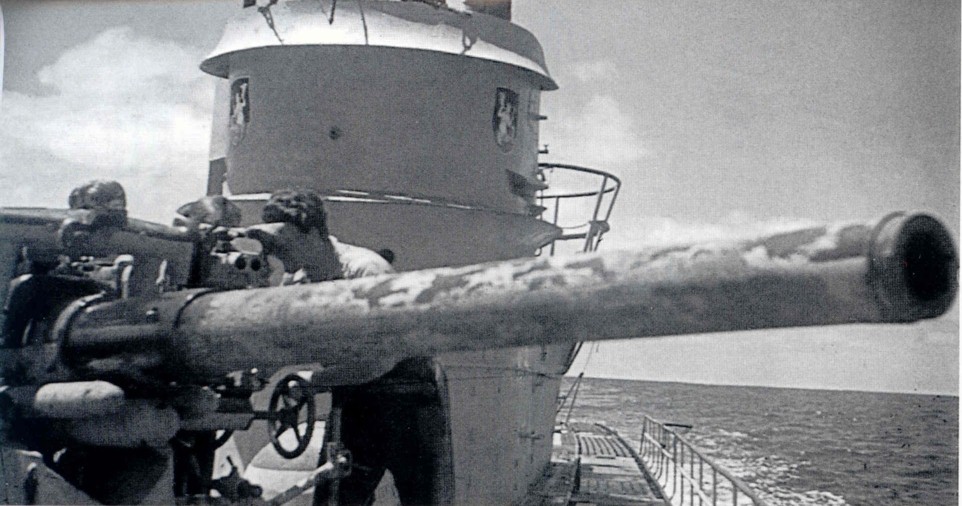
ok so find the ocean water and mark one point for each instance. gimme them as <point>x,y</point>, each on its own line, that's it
<point>796,446</point>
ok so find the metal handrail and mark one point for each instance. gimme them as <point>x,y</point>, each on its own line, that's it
<point>598,224</point>
<point>679,467</point>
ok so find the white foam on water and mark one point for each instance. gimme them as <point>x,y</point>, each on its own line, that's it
<point>765,475</point>
<point>782,497</point>
<point>734,434</point>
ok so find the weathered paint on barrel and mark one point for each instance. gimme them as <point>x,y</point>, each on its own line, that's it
<point>820,276</point>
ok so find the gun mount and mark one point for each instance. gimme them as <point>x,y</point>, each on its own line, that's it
<point>131,346</point>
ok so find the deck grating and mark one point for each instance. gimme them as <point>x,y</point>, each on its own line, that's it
<point>593,465</point>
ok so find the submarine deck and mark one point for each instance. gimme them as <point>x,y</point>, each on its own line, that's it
<point>592,464</point>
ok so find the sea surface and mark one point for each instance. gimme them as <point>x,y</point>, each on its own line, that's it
<point>796,446</point>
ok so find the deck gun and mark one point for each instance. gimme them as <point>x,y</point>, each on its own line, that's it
<point>115,344</point>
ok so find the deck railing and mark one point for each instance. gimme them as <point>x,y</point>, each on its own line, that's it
<point>583,184</point>
<point>686,477</point>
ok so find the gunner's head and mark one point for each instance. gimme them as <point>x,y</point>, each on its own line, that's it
<point>302,208</point>
<point>99,195</point>
<point>106,201</point>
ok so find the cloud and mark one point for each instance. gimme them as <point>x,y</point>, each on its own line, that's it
<point>588,124</point>
<point>632,232</point>
<point>594,71</point>
<point>657,232</point>
<point>118,106</point>
<point>600,133</point>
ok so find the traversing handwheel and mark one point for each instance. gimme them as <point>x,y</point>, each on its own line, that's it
<point>291,397</point>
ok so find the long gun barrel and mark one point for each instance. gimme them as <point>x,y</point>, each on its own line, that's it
<point>901,269</point>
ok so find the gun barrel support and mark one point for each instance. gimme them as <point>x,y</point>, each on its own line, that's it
<point>902,269</point>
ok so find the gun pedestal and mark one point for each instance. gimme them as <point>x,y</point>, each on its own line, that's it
<point>332,449</point>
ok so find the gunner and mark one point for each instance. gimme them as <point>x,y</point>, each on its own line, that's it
<point>105,196</point>
<point>93,205</point>
<point>295,232</point>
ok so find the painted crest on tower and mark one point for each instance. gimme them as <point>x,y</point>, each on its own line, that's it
<point>505,119</point>
<point>240,109</point>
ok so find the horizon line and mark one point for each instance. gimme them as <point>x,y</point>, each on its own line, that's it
<point>831,389</point>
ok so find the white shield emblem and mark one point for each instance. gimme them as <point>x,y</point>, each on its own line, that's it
<point>240,110</point>
<point>505,119</point>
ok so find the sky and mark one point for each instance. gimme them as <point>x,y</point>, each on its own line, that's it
<point>730,118</point>
<point>721,119</point>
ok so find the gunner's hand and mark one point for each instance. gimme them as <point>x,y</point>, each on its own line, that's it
<point>266,233</point>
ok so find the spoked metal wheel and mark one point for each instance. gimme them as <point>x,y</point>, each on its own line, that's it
<point>291,402</point>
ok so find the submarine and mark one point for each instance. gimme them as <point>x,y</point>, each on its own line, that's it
<point>418,122</point>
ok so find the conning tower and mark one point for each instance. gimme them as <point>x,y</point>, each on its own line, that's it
<point>418,122</point>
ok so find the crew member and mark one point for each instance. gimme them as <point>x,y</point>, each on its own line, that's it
<point>93,205</point>
<point>295,231</point>
<point>103,196</point>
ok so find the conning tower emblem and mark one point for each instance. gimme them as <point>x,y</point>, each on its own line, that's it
<point>505,120</point>
<point>240,110</point>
